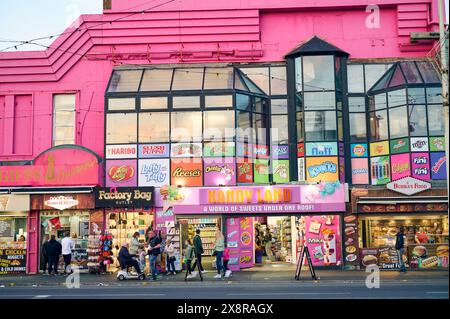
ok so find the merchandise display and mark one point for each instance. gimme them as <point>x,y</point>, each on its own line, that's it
<point>122,226</point>
<point>208,227</point>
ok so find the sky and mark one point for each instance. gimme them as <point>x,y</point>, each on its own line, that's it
<point>46,17</point>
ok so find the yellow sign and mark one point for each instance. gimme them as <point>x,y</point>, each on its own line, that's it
<point>379,148</point>
<point>322,169</point>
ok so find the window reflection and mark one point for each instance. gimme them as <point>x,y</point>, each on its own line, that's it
<point>121,128</point>
<point>318,73</point>
<point>320,126</point>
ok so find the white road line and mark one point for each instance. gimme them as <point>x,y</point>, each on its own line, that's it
<point>42,296</point>
<point>289,293</point>
<point>437,292</point>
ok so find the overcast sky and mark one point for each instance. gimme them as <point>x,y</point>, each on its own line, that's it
<point>27,19</point>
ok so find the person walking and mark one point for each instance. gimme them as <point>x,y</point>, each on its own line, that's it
<point>400,247</point>
<point>226,259</point>
<point>67,246</point>
<point>134,244</point>
<point>189,255</point>
<point>219,247</point>
<point>44,251</point>
<point>154,243</point>
<point>198,251</point>
<point>268,243</point>
<point>170,252</point>
<point>54,249</point>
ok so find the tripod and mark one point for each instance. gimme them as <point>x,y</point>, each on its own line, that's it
<point>304,253</point>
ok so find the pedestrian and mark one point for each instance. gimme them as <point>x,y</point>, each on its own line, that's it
<point>170,255</point>
<point>54,249</point>
<point>127,260</point>
<point>161,261</point>
<point>400,247</point>
<point>154,243</point>
<point>44,251</point>
<point>226,259</point>
<point>198,251</point>
<point>268,243</point>
<point>67,246</point>
<point>219,247</point>
<point>189,255</point>
<point>134,244</point>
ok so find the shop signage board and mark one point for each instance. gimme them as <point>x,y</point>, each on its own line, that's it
<point>186,150</point>
<point>154,150</point>
<point>350,238</point>
<point>359,150</point>
<point>380,170</point>
<point>121,151</point>
<point>420,166</point>
<point>154,172</point>
<point>321,149</point>
<point>438,166</point>
<point>186,173</point>
<point>383,257</point>
<point>261,171</point>
<point>280,152</point>
<point>232,240</point>
<point>428,256</point>
<point>360,171</point>
<point>246,242</point>
<point>400,145</point>
<point>280,171</point>
<point>58,166</point>
<point>62,201</point>
<point>14,203</point>
<point>13,261</point>
<point>138,197</point>
<point>261,151</point>
<point>379,148</point>
<point>219,171</point>
<point>408,186</point>
<point>244,171</point>
<point>437,144</point>
<point>322,169</point>
<point>218,149</point>
<point>400,165</point>
<point>121,173</point>
<point>402,208</point>
<point>419,144</point>
<point>300,149</point>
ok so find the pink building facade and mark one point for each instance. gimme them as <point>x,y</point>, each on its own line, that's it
<point>73,80</point>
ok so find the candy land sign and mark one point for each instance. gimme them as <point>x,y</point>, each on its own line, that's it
<point>58,166</point>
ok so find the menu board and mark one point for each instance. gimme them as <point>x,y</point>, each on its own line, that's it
<point>350,241</point>
<point>13,261</point>
<point>383,257</point>
<point>428,256</point>
<point>80,258</point>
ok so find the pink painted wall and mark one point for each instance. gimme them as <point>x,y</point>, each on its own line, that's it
<point>190,31</point>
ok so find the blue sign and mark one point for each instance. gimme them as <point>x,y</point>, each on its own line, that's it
<point>321,149</point>
<point>280,152</point>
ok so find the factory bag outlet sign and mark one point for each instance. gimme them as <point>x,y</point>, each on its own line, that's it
<point>138,197</point>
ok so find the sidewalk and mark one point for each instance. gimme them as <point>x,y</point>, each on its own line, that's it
<point>247,276</point>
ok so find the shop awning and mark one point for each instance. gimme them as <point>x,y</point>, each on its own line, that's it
<point>48,190</point>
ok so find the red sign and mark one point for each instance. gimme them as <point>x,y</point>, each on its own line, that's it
<point>300,149</point>
<point>59,166</point>
<point>121,173</point>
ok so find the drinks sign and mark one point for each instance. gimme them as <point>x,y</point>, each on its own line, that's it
<point>420,166</point>
<point>400,145</point>
<point>154,150</point>
<point>408,186</point>
<point>380,170</point>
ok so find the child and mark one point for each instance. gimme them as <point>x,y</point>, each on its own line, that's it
<point>188,257</point>
<point>226,259</point>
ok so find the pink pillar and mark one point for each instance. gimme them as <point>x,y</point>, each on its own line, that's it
<point>33,243</point>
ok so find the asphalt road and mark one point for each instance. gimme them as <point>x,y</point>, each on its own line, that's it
<point>429,289</point>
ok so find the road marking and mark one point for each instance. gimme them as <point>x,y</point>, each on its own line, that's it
<point>437,292</point>
<point>42,296</point>
<point>289,293</point>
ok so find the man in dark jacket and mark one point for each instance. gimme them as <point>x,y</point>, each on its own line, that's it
<point>154,244</point>
<point>127,260</point>
<point>54,250</point>
<point>44,251</point>
<point>198,248</point>
<point>400,247</point>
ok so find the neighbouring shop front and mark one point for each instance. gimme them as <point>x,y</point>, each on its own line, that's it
<point>291,214</point>
<point>377,216</point>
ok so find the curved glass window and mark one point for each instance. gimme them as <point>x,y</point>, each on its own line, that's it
<point>218,78</point>
<point>125,81</point>
<point>157,80</point>
<point>187,79</point>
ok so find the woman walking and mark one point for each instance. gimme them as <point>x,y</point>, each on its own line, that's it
<point>219,247</point>
<point>170,252</point>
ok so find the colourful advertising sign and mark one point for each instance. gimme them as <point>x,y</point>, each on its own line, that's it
<point>154,172</point>
<point>437,144</point>
<point>58,166</point>
<point>261,151</point>
<point>186,173</point>
<point>321,149</point>
<point>261,171</point>
<point>360,171</point>
<point>420,164</point>
<point>219,171</point>
<point>400,166</point>
<point>322,169</point>
<point>246,242</point>
<point>400,145</point>
<point>154,150</point>
<point>120,173</point>
<point>218,149</point>
<point>232,240</point>
<point>244,150</point>
<point>359,150</point>
<point>164,218</point>
<point>379,148</point>
<point>121,151</point>
<point>380,170</point>
<point>300,149</point>
<point>419,144</point>
<point>281,171</point>
<point>280,152</point>
<point>244,170</point>
<point>186,150</point>
<point>438,165</point>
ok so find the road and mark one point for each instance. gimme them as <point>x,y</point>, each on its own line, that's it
<point>426,289</point>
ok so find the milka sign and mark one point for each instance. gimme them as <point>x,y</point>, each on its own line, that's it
<point>59,166</point>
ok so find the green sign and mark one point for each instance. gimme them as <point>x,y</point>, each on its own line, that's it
<point>261,171</point>
<point>437,144</point>
<point>281,171</point>
<point>400,145</point>
<point>219,149</point>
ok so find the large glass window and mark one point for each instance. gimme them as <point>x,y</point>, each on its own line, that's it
<point>121,104</point>
<point>318,73</point>
<point>379,125</point>
<point>153,103</point>
<point>186,126</point>
<point>417,120</point>
<point>436,120</point>
<point>260,76</point>
<point>186,102</point>
<point>218,78</point>
<point>398,122</point>
<point>157,80</point>
<point>125,81</point>
<point>153,127</point>
<point>121,128</point>
<point>244,127</point>
<point>278,85</point>
<point>373,72</point>
<point>355,75</point>
<point>397,98</point>
<point>218,125</point>
<point>434,95</point>
<point>279,131</point>
<point>188,79</point>
<point>357,104</point>
<point>320,126</point>
<point>320,100</point>
<point>416,95</point>
<point>260,127</point>
<point>243,102</point>
<point>212,101</point>
<point>63,119</point>
<point>358,127</point>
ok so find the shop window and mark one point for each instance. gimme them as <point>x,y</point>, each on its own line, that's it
<point>411,72</point>
<point>373,72</point>
<point>298,75</point>
<point>434,95</point>
<point>218,125</point>
<point>260,105</point>
<point>397,98</point>
<point>260,128</point>
<point>260,76</point>
<point>320,100</point>
<point>157,80</point>
<point>379,125</point>
<point>428,72</point>
<point>279,129</point>
<point>153,103</point>
<point>23,119</point>
<point>13,231</point>
<point>436,120</point>
<point>121,128</point>
<point>357,104</point>
<point>186,102</point>
<point>278,106</point>
<point>377,102</point>
<point>278,83</point>
<point>153,127</point>
<point>300,125</point>
<point>416,96</point>
<point>398,122</point>
<point>244,127</point>
<point>123,224</point>
<point>213,101</point>
<point>318,73</point>
<point>417,120</point>
<point>355,76</point>
<point>186,127</point>
<point>358,130</point>
<point>121,104</point>
<point>63,119</point>
<point>243,102</point>
<point>125,81</point>
<point>188,79</point>
<point>320,126</point>
<point>218,78</point>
